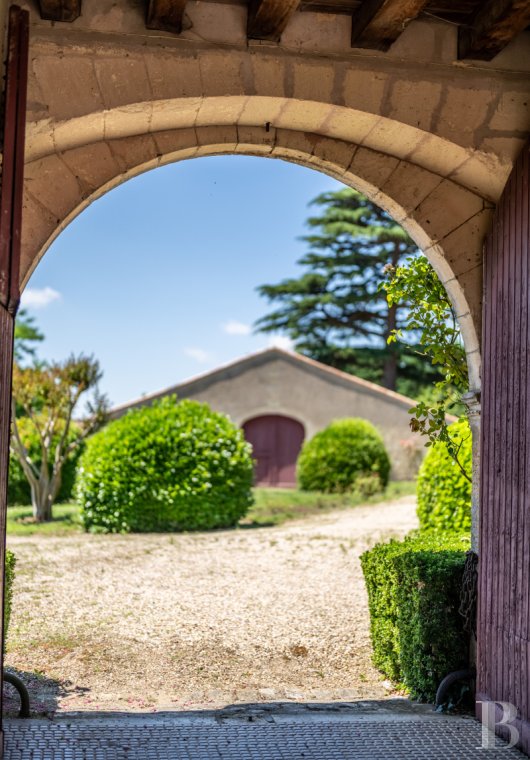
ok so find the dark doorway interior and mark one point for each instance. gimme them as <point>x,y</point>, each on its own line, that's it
<point>276,441</point>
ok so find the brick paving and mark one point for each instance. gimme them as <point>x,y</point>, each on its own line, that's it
<point>306,734</point>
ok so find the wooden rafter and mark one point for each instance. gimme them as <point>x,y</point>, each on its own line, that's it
<point>378,23</point>
<point>60,10</point>
<point>165,15</point>
<point>268,18</point>
<point>493,26</point>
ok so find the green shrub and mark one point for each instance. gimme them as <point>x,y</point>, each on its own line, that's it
<point>368,485</point>
<point>347,452</point>
<point>10,577</point>
<point>414,590</point>
<point>18,491</point>
<point>444,493</point>
<point>169,466</point>
<point>381,582</point>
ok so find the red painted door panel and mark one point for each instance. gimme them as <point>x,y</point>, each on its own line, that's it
<point>276,442</point>
<point>503,660</point>
<point>12,149</point>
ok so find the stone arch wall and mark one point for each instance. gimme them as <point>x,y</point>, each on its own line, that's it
<point>430,142</point>
<point>446,220</point>
<point>429,139</point>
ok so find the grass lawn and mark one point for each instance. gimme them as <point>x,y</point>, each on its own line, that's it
<point>272,506</point>
<point>65,520</point>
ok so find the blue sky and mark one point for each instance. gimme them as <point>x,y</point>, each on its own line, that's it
<point>157,279</point>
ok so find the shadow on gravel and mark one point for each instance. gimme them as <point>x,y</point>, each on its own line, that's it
<point>44,694</point>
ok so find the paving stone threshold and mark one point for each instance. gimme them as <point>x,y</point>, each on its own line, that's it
<point>283,731</point>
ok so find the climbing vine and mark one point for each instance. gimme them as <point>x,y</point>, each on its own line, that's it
<point>432,320</point>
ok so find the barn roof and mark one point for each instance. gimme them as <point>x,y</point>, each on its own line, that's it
<point>260,358</point>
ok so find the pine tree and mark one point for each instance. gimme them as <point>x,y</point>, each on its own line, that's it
<point>26,335</point>
<point>335,311</point>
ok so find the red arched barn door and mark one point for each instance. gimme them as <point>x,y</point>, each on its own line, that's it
<point>276,442</point>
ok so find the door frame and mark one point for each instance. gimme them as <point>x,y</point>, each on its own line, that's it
<point>11,197</point>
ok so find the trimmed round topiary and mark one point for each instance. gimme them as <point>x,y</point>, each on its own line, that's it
<point>342,456</point>
<point>443,491</point>
<point>166,467</point>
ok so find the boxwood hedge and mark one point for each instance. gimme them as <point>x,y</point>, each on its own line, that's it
<point>444,493</point>
<point>166,467</point>
<point>10,577</point>
<point>414,590</point>
<point>346,452</point>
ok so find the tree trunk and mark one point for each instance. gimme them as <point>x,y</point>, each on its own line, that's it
<point>43,495</point>
<point>40,504</point>
<point>44,489</point>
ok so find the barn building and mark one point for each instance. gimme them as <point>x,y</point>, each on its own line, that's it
<point>281,398</point>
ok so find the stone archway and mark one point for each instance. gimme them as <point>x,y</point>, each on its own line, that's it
<point>430,138</point>
<point>435,188</point>
<point>446,220</point>
<point>109,98</point>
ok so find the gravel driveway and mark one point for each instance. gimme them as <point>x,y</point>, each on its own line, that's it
<point>140,622</point>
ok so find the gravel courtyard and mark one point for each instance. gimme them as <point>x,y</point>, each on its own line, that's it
<point>161,622</point>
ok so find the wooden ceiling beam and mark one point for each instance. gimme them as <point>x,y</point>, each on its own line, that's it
<point>268,18</point>
<point>60,10</point>
<point>378,23</point>
<point>165,15</point>
<point>494,25</point>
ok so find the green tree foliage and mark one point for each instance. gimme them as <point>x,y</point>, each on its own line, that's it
<point>335,311</point>
<point>44,399</point>
<point>26,335</point>
<point>431,316</point>
<point>343,457</point>
<point>19,491</point>
<point>443,490</point>
<point>166,467</point>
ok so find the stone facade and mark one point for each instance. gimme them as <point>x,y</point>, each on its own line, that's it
<point>276,382</point>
